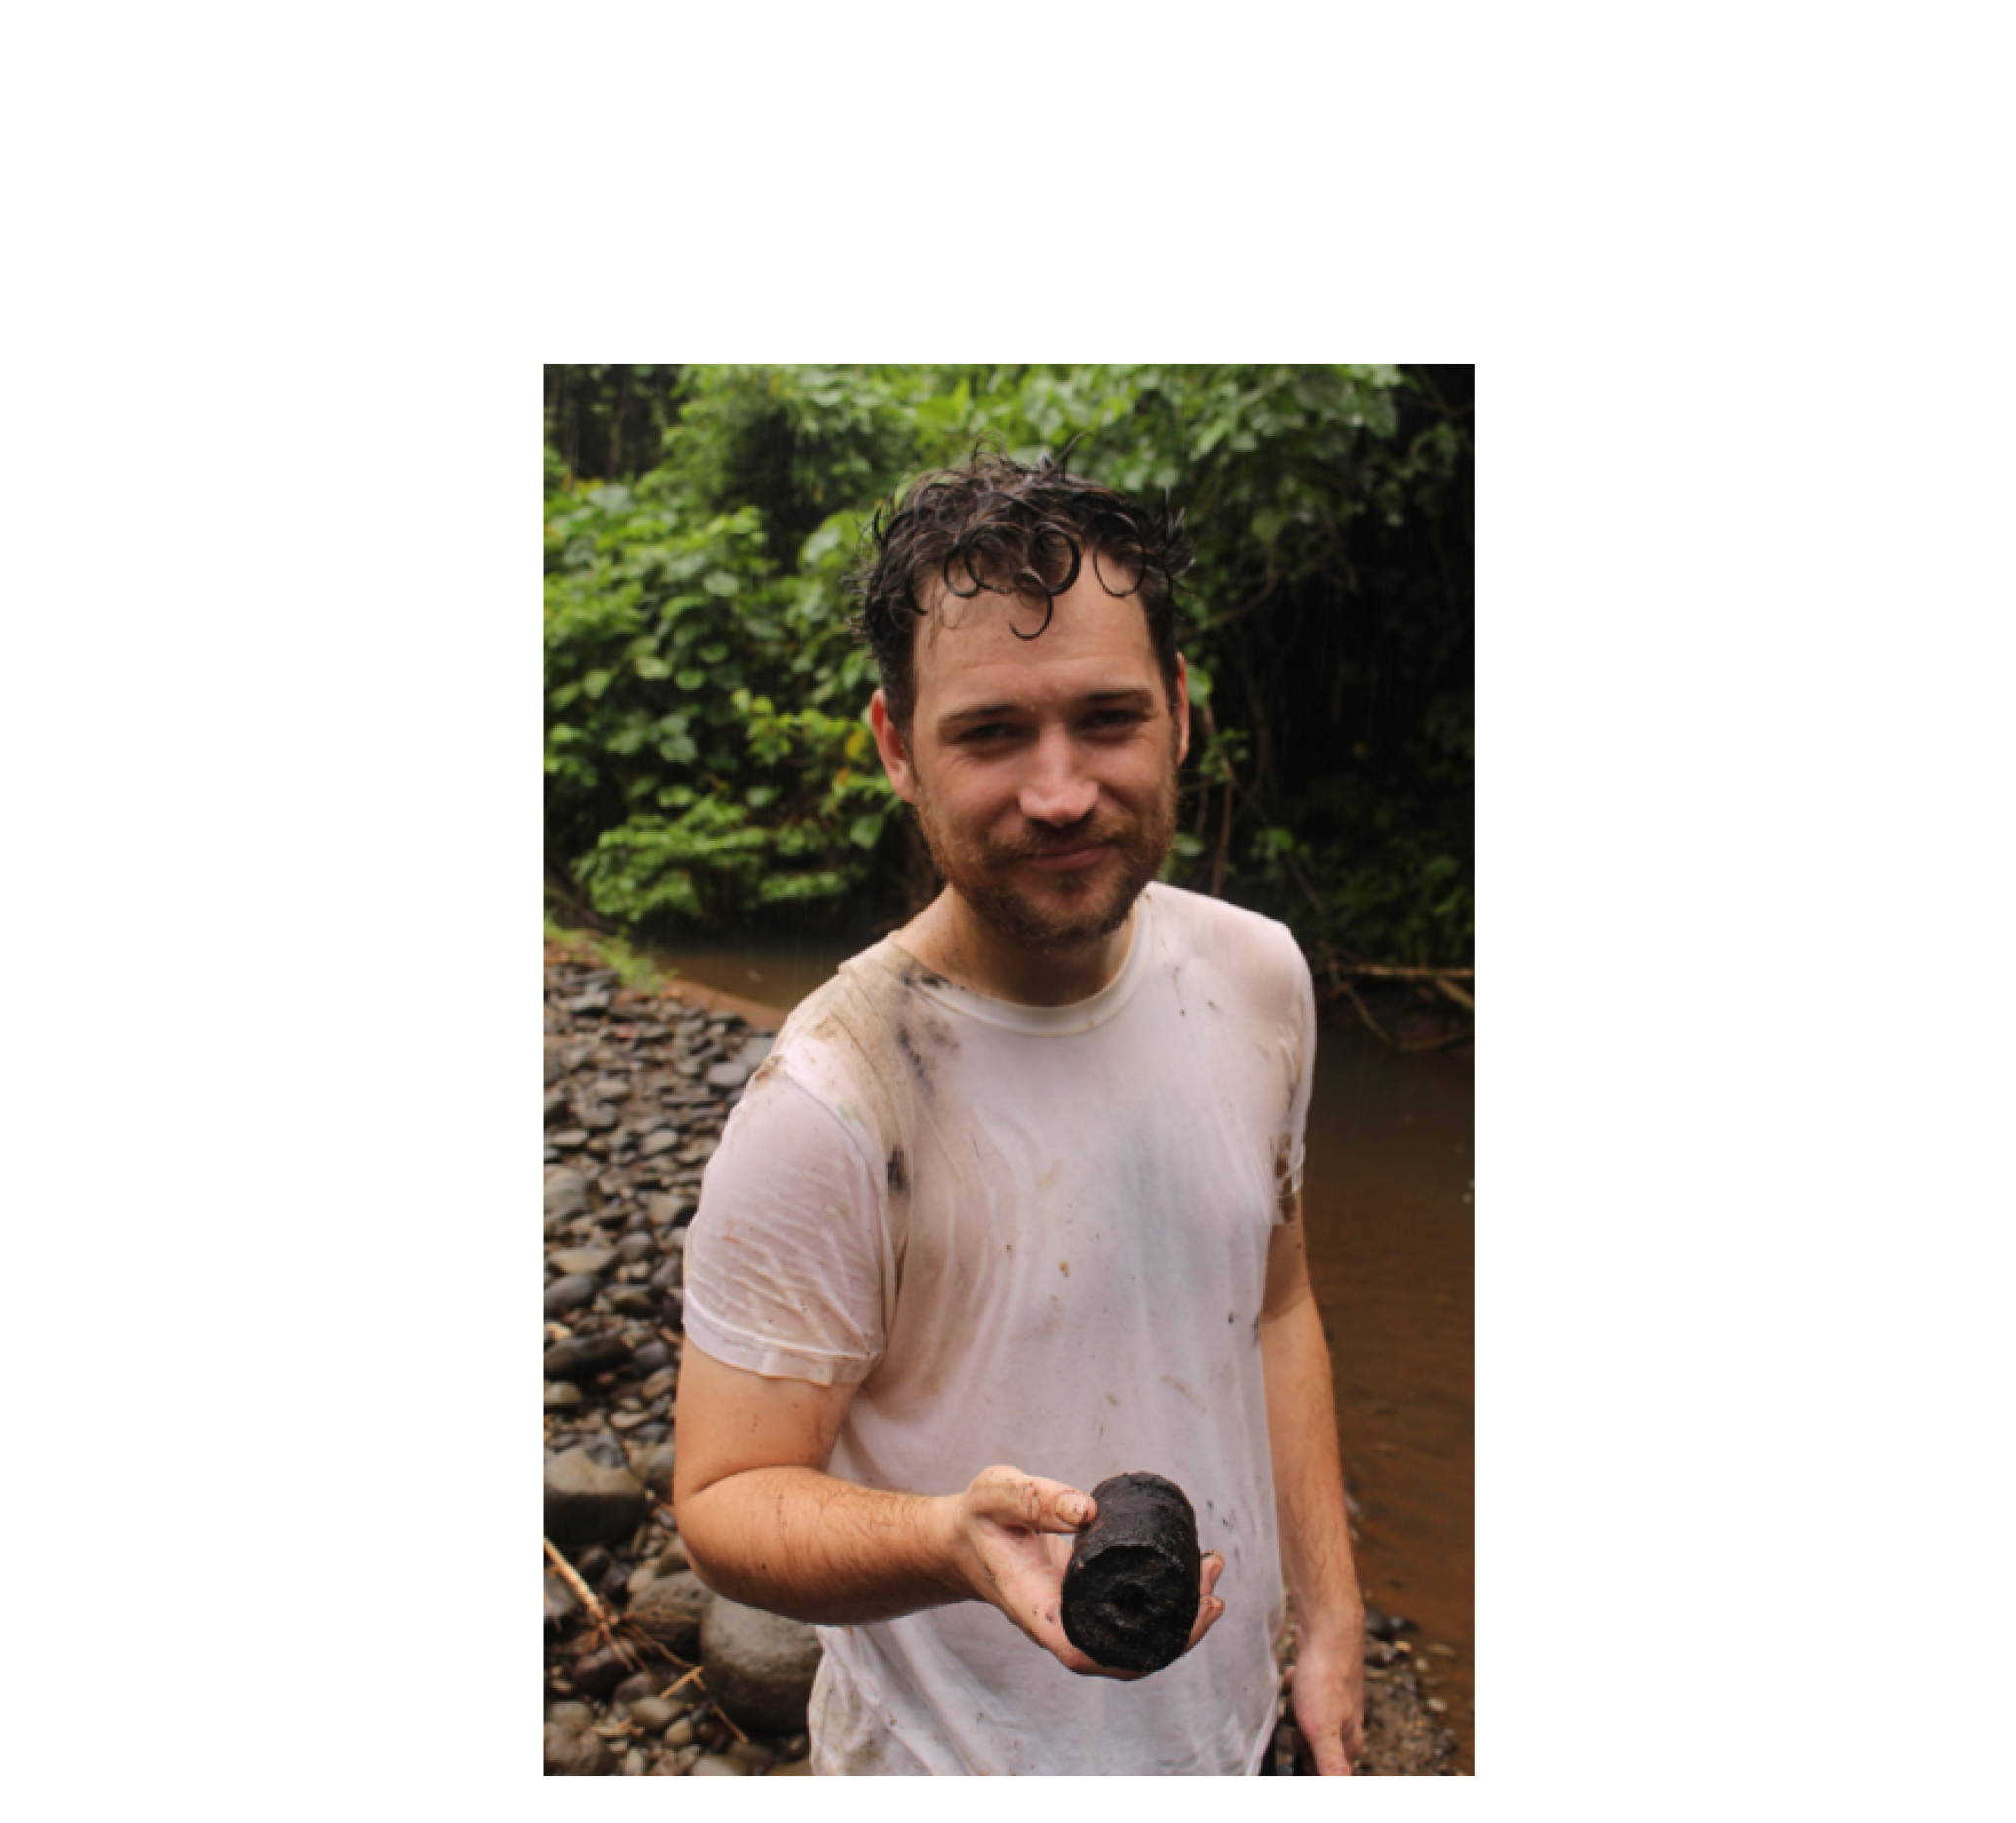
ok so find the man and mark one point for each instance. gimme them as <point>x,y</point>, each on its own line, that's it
<point>1015,1205</point>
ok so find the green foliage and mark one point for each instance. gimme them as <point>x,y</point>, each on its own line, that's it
<point>706,756</point>
<point>674,788</point>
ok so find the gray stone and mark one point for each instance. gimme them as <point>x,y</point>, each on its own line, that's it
<point>654,1714</point>
<point>582,1358</point>
<point>589,1502</point>
<point>637,1685</point>
<point>592,1002</point>
<point>556,1104</point>
<point>757,1048</point>
<point>598,1673</point>
<point>759,1667</point>
<point>633,1763</point>
<point>663,1140</point>
<point>566,1193</point>
<point>561,1394</point>
<point>633,1300</point>
<point>561,1601</point>
<point>671,1610</point>
<point>664,1210</point>
<point>630,1247</point>
<point>659,1385</point>
<point>729,1075</point>
<point>657,1471</point>
<point>571,1137</point>
<point>599,1115</point>
<point>569,1293</point>
<point>719,1765</point>
<point>590,1260</point>
<point>577,1753</point>
<point>680,1734</point>
<point>652,1356</point>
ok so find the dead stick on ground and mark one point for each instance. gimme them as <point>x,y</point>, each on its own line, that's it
<point>604,1625</point>
<point>731,1721</point>
<point>683,1682</point>
<point>596,1612</point>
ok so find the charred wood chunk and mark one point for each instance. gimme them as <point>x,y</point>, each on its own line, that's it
<point>1130,1592</point>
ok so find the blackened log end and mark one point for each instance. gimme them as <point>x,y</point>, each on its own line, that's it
<point>1130,1592</point>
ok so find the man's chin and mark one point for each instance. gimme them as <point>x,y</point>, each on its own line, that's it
<point>1055,924</point>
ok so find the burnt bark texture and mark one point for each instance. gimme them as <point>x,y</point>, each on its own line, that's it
<point>1130,1590</point>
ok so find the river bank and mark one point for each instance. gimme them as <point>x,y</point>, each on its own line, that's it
<point>646,1672</point>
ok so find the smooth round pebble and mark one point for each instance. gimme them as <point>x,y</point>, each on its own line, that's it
<point>719,1765</point>
<point>654,1712</point>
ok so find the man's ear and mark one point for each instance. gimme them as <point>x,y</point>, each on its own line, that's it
<point>889,743</point>
<point>1182,710</point>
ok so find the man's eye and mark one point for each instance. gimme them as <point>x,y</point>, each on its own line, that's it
<point>979,736</point>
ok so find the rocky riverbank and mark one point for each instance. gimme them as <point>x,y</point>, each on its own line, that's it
<point>647,1671</point>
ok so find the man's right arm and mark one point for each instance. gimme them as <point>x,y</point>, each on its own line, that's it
<point>765,1523</point>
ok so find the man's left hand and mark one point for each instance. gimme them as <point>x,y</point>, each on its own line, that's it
<point>1328,1684</point>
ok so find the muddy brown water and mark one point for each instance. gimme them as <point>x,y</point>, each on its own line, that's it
<point>1388,1207</point>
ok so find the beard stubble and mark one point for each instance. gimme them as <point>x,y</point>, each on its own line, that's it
<point>1075,909</point>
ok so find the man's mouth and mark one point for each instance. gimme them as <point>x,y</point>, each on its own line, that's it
<point>1070,860</point>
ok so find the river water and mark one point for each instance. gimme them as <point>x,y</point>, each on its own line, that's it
<point>1388,1208</point>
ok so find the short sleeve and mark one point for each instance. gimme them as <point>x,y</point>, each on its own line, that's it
<point>788,1268</point>
<point>1292,1150</point>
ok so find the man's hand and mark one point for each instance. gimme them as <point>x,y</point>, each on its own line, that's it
<point>1328,1684</point>
<point>1014,1544</point>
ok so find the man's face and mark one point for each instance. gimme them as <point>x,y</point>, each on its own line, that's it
<point>1044,770</point>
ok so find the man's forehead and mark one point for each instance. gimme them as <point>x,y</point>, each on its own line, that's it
<point>961,630</point>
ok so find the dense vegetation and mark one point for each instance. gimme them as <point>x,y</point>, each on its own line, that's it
<point>708,761</point>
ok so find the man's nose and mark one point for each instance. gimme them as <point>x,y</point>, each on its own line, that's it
<point>1056,789</point>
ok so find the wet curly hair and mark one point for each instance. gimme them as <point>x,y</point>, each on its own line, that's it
<point>998,525</point>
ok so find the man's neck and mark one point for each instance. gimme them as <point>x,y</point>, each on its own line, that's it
<point>948,939</point>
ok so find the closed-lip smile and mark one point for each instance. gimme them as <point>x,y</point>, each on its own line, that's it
<point>1071,860</point>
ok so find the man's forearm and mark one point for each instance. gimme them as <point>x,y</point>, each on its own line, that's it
<point>1308,1478</point>
<point>797,1541</point>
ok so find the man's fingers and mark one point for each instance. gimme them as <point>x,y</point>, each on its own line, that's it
<point>1007,1495</point>
<point>1330,1760</point>
<point>1209,1607</point>
<point>1332,1732</point>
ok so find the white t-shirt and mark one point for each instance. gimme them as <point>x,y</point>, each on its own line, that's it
<point>1034,1235</point>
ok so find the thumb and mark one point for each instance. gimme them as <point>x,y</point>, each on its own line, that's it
<point>1010,1497</point>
